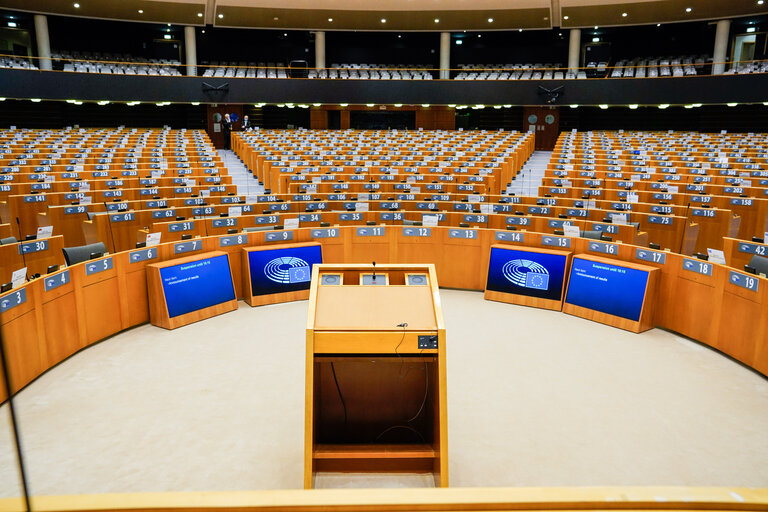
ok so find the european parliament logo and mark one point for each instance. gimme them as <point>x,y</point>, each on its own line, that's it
<point>526,273</point>
<point>288,269</point>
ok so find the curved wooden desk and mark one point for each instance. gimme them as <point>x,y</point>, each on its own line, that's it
<point>58,316</point>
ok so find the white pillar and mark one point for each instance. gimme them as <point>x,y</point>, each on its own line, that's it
<point>190,48</point>
<point>43,42</point>
<point>319,50</point>
<point>445,55</point>
<point>574,50</point>
<point>721,47</point>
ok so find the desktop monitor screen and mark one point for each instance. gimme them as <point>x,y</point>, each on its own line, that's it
<point>197,284</point>
<point>611,289</point>
<point>534,274</point>
<point>283,270</point>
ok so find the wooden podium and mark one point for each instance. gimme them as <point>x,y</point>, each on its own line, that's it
<point>375,372</point>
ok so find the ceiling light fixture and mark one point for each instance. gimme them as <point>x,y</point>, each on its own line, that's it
<point>751,29</point>
<point>663,106</point>
<point>76,5</point>
<point>603,106</point>
<point>574,106</point>
<point>623,15</point>
<point>732,104</point>
<point>634,106</point>
<point>199,15</point>
<point>398,105</point>
<point>330,20</point>
<point>688,9</point>
<point>490,20</point>
<point>221,15</point>
<point>35,100</point>
<point>565,17</point>
<point>437,20</point>
<point>383,20</point>
<point>141,11</point>
<point>12,24</point>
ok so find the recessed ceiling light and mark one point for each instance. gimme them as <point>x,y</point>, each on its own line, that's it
<point>199,15</point>
<point>596,27</point>
<point>574,106</point>
<point>623,15</point>
<point>167,36</point>
<point>595,39</point>
<point>330,20</point>
<point>751,29</point>
<point>203,31</point>
<point>565,17</point>
<point>688,9</point>
<point>195,103</point>
<point>275,18</point>
<point>35,100</point>
<point>663,106</point>
<point>437,20</point>
<point>169,24</point>
<point>141,11</point>
<point>519,30</point>
<point>398,104</point>
<point>221,15</point>
<point>633,107</point>
<point>658,24</point>
<point>425,105</point>
<point>316,104</point>
<point>343,104</point>
<point>383,20</point>
<point>459,42</point>
<point>76,5</point>
<point>369,105</point>
<point>490,20</point>
<point>12,24</point>
<point>603,106</point>
<point>399,36</point>
<point>731,104</point>
<point>285,34</point>
<point>759,2</point>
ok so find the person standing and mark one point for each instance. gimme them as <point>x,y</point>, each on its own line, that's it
<point>227,131</point>
<point>246,123</point>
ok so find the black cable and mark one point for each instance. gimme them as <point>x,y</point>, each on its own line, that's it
<point>403,325</point>
<point>426,392</point>
<point>341,397</point>
<point>407,427</point>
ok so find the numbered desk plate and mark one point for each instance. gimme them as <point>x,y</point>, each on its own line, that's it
<point>462,233</point>
<point>185,247</point>
<point>279,236</point>
<point>149,253</point>
<point>698,266</point>
<point>13,299</point>
<point>325,233</point>
<point>94,267</point>
<point>603,247</point>
<point>53,282</point>
<point>743,280</point>
<point>34,246</point>
<point>417,231</point>
<point>556,241</point>
<point>651,256</point>
<point>372,231</point>
<point>227,241</point>
<point>510,236</point>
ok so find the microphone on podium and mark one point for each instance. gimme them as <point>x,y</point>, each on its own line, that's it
<point>374,271</point>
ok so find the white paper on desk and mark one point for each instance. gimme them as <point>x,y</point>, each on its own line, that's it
<point>361,207</point>
<point>317,179</point>
<point>13,127</point>
<point>632,197</point>
<point>84,186</point>
<point>429,220</point>
<point>415,190</point>
<point>716,256</point>
<point>486,208</point>
<point>475,198</point>
<point>291,223</point>
<point>156,174</point>
<point>85,200</point>
<point>79,167</point>
<point>235,211</point>
<point>19,277</point>
<point>569,230</point>
<point>363,197</point>
<point>153,239</point>
<point>410,179</point>
<point>672,189</point>
<point>205,193</point>
<point>619,218</point>
<point>44,232</point>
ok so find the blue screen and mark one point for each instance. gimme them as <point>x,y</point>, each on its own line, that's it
<point>196,285</point>
<point>534,274</point>
<point>283,270</point>
<point>607,288</point>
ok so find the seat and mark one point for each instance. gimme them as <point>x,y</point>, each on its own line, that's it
<point>759,263</point>
<point>8,240</point>
<point>73,255</point>
<point>591,234</point>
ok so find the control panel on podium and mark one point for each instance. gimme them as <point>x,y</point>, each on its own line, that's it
<point>375,372</point>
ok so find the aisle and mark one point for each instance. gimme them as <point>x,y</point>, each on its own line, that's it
<point>528,181</point>
<point>247,185</point>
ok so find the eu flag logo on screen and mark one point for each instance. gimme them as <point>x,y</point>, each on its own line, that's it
<point>288,269</point>
<point>537,281</point>
<point>299,274</point>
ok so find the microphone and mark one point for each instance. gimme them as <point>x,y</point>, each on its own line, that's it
<point>374,270</point>
<point>404,324</point>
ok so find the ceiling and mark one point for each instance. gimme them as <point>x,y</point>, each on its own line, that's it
<point>416,15</point>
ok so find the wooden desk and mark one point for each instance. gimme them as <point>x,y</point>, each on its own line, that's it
<point>359,339</point>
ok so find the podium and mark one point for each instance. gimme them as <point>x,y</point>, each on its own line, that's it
<point>375,372</point>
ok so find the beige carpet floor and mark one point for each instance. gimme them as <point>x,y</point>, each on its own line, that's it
<point>535,398</point>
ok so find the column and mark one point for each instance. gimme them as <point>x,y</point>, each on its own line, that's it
<point>190,48</point>
<point>574,50</point>
<point>43,43</point>
<point>319,50</point>
<point>721,47</point>
<point>445,55</point>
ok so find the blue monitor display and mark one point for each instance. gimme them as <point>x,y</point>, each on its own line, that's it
<point>607,288</point>
<point>197,284</point>
<point>283,270</point>
<point>534,274</point>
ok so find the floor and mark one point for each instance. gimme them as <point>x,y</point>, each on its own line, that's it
<point>528,180</point>
<point>535,398</point>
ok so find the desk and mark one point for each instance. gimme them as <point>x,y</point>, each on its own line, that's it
<point>375,387</point>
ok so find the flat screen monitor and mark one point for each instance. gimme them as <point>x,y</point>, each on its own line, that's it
<point>197,284</point>
<point>529,273</point>
<point>612,289</point>
<point>288,269</point>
